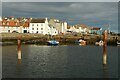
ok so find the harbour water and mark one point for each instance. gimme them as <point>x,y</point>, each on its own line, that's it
<point>64,61</point>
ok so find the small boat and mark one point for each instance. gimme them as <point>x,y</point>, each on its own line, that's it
<point>100,43</point>
<point>81,42</point>
<point>118,42</point>
<point>53,42</point>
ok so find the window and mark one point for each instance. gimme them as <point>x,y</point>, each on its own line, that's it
<point>41,24</point>
<point>41,31</point>
<point>37,24</point>
<point>32,28</point>
<point>32,24</point>
<point>41,28</point>
<point>37,32</point>
<point>37,28</point>
<point>8,30</point>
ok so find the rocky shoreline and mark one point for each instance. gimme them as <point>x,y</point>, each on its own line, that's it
<point>11,38</point>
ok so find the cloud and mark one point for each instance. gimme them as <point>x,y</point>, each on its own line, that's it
<point>60,0</point>
<point>90,13</point>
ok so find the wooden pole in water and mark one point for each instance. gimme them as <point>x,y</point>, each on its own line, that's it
<point>104,48</point>
<point>19,51</point>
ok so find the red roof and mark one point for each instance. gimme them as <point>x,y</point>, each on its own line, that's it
<point>14,23</point>
<point>68,27</point>
<point>96,29</point>
<point>84,26</point>
<point>76,27</point>
<point>26,25</point>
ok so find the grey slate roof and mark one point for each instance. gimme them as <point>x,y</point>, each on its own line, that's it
<point>38,21</point>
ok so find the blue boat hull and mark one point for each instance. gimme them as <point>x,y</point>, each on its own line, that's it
<point>53,43</point>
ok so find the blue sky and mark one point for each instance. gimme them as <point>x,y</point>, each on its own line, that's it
<point>95,14</point>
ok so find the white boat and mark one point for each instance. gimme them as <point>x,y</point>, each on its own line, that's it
<point>118,43</point>
<point>81,42</point>
<point>100,43</point>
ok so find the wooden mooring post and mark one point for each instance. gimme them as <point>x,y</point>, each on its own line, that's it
<point>104,48</point>
<point>19,51</point>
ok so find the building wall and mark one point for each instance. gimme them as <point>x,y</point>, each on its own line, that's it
<point>25,30</point>
<point>65,27</point>
<point>37,28</point>
<point>60,26</point>
<point>42,28</point>
<point>53,31</point>
<point>8,29</point>
<point>96,31</point>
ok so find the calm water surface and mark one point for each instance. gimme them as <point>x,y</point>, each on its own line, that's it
<point>59,62</point>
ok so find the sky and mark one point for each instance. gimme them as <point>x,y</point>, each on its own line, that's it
<point>60,0</point>
<point>95,14</point>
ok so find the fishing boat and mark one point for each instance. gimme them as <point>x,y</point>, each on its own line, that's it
<point>81,42</point>
<point>53,42</point>
<point>100,43</point>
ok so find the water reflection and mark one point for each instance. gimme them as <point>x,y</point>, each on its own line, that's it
<point>104,55</point>
<point>105,72</point>
<point>105,66</point>
<point>104,48</point>
<point>59,62</point>
<point>19,52</point>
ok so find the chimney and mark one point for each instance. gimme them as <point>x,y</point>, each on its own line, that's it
<point>0,18</point>
<point>12,17</point>
<point>46,20</point>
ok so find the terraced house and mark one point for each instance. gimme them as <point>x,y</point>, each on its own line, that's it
<point>79,28</point>
<point>11,25</point>
<point>42,26</point>
<point>27,25</point>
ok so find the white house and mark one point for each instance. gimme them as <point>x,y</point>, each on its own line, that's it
<point>11,24</point>
<point>73,29</point>
<point>79,29</point>
<point>41,26</point>
<point>84,28</point>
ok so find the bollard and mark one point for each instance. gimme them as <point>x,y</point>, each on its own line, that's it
<point>104,48</point>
